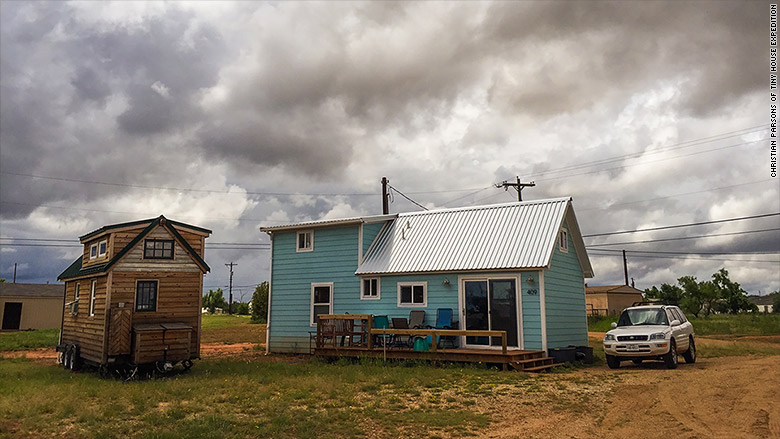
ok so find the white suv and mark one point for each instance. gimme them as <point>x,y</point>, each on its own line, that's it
<point>653,332</point>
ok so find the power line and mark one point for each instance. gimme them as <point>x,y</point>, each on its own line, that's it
<point>683,225</point>
<point>674,146</point>
<point>688,252</point>
<point>684,237</point>
<point>76,241</point>
<point>403,195</point>
<point>694,258</point>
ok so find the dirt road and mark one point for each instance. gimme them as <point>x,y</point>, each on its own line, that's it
<point>726,397</point>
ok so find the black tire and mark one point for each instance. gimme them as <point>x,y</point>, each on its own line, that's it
<point>66,356</point>
<point>187,364</point>
<point>613,362</point>
<point>74,359</point>
<point>690,354</point>
<point>670,359</point>
<point>638,361</point>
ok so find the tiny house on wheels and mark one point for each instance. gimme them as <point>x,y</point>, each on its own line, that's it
<point>134,296</point>
<point>516,267</point>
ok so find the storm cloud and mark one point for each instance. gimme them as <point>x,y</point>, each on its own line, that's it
<point>233,115</point>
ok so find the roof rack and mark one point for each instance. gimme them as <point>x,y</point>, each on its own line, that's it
<point>646,303</point>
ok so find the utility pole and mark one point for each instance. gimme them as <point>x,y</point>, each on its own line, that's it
<point>385,207</point>
<point>14,272</point>
<point>518,187</point>
<point>625,267</point>
<point>230,304</point>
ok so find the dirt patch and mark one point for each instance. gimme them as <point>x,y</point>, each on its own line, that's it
<point>40,355</point>
<point>729,397</point>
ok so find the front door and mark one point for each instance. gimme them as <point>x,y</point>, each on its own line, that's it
<point>491,304</point>
<point>12,315</point>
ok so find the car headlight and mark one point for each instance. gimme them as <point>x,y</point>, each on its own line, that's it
<point>609,337</point>
<point>658,336</point>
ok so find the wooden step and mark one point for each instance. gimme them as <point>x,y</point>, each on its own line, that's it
<point>544,368</point>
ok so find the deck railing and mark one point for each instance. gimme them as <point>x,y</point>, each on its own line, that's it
<point>355,331</point>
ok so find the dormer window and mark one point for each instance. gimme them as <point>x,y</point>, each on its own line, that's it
<point>158,249</point>
<point>102,248</point>
<point>93,251</point>
<point>305,241</point>
<point>563,241</point>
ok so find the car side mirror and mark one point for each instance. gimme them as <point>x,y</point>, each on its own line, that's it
<point>613,325</point>
<point>675,323</point>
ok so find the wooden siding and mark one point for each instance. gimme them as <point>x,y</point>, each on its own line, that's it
<point>121,238</point>
<point>82,329</point>
<point>565,300</point>
<point>134,259</point>
<point>86,261</point>
<point>178,298</point>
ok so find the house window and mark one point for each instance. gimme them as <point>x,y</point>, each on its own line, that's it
<point>563,240</point>
<point>305,241</point>
<point>102,248</point>
<point>74,306</point>
<point>93,251</point>
<point>370,289</point>
<point>413,294</point>
<point>158,249</point>
<point>92,298</point>
<point>321,300</point>
<point>146,296</point>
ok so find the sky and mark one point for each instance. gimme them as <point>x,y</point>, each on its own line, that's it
<point>232,116</point>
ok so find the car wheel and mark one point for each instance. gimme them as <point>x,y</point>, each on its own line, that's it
<point>613,362</point>
<point>637,361</point>
<point>690,354</point>
<point>670,359</point>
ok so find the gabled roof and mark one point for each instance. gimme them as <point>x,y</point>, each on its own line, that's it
<point>618,289</point>
<point>140,223</point>
<point>32,290</point>
<point>520,235</point>
<point>76,270</point>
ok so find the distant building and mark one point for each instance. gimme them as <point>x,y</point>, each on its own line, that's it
<point>610,299</point>
<point>31,306</point>
<point>764,303</point>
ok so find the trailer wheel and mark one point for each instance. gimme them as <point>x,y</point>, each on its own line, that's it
<point>66,357</point>
<point>187,364</point>
<point>73,358</point>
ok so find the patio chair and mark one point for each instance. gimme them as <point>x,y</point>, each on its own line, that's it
<point>382,322</point>
<point>444,321</point>
<point>417,319</point>
<point>401,341</point>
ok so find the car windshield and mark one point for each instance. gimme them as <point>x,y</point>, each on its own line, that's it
<point>634,317</point>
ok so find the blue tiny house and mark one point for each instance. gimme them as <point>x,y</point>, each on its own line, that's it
<point>518,267</point>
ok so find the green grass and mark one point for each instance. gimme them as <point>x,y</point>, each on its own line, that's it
<point>719,324</point>
<point>222,321</point>
<point>23,340</point>
<point>740,324</point>
<point>234,399</point>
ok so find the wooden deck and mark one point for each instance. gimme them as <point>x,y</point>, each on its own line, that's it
<point>351,335</point>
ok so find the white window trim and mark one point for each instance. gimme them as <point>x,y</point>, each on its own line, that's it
<point>311,242</point>
<point>565,246</point>
<point>413,284</point>
<point>156,296</point>
<point>311,300</point>
<point>93,247</point>
<point>100,255</point>
<point>378,288</point>
<point>518,306</point>
<point>92,293</point>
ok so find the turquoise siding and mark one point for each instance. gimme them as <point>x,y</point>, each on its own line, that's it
<point>334,259</point>
<point>369,234</point>
<point>565,300</point>
<point>532,321</point>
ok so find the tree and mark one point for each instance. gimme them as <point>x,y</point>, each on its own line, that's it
<point>732,298</point>
<point>775,302</point>
<point>260,303</point>
<point>698,297</point>
<point>668,294</point>
<point>2,280</point>
<point>214,299</point>
<point>240,308</point>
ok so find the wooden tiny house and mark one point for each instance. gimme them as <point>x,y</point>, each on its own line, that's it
<point>134,296</point>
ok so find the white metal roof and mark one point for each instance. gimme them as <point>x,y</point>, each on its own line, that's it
<point>329,223</point>
<point>518,235</point>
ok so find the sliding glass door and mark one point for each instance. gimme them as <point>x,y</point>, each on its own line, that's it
<point>491,304</point>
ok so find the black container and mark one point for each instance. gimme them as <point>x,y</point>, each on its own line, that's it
<point>563,355</point>
<point>584,354</point>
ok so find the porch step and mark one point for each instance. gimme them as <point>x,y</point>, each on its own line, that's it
<point>534,364</point>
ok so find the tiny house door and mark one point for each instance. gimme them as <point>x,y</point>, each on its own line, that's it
<point>491,304</point>
<point>12,315</point>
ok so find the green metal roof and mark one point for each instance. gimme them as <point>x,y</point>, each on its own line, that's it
<point>75,269</point>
